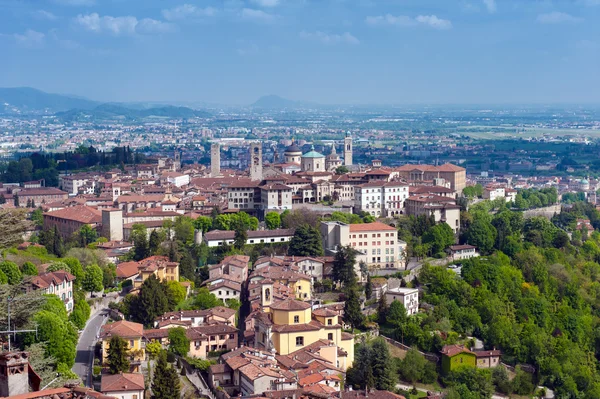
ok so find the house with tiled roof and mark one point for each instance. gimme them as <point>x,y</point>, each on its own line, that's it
<point>300,283</point>
<point>70,220</point>
<point>123,385</point>
<point>59,283</point>
<point>217,238</point>
<point>196,318</point>
<point>456,356</point>
<point>131,332</point>
<point>289,326</point>
<point>159,266</point>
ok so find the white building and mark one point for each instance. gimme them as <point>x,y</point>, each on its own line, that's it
<point>225,289</point>
<point>376,243</point>
<point>217,238</point>
<point>465,251</point>
<point>123,385</point>
<point>275,197</point>
<point>443,209</point>
<point>59,283</point>
<point>72,184</point>
<point>380,199</point>
<point>409,297</point>
<point>240,195</point>
<point>177,179</point>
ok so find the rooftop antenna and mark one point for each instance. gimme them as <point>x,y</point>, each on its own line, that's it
<point>10,331</point>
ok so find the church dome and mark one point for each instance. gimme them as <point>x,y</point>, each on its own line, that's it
<point>293,148</point>
<point>313,154</point>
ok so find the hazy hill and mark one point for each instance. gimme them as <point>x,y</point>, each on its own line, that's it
<point>275,102</point>
<point>118,112</point>
<point>26,99</point>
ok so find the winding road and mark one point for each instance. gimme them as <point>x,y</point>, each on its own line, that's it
<point>85,346</point>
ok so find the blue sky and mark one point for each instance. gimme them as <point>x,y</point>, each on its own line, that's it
<point>326,51</point>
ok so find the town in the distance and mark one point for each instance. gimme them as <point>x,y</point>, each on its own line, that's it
<point>304,253</point>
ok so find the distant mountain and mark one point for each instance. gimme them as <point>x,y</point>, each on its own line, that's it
<point>112,111</point>
<point>276,102</point>
<point>27,100</point>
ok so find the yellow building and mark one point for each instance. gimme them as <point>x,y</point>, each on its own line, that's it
<point>290,325</point>
<point>300,283</point>
<point>160,266</point>
<point>132,333</point>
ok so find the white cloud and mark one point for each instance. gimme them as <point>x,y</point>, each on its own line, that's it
<point>403,20</point>
<point>258,15</point>
<point>117,26</point>
<point>266,3</point>
<point>434,22</point>
<point>389,19</point>
<point>327,38</point>
<point>187,11</point>
<point>43,14</point>
<point>490,5</point>
<point>75,3</point>
<point>557,17</point>
<point>30,38</point>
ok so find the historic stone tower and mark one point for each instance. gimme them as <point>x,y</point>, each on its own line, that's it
<point>215,160</point>
<point>112,224</point>
<point>256,170</point>
<point>348,149</point>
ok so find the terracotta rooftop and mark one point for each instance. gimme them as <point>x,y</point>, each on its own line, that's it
<point>375,226</point>
<point>44,280</point>
<point>123,329</point>
<point>122,382</point>
<point>290,304</point>
<point>82,214</point>
<point>453,350</point>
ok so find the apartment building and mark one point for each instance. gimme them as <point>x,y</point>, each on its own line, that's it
<point>443,209</point>
<point>70,220</point>
<point>376,243</point>
<point>59,283</point>
<point>409,297</point>
<point>380,198</point>
<point>453,174</point>
<point>158,266</point>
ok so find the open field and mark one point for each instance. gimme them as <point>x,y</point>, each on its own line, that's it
<point>527,133</point>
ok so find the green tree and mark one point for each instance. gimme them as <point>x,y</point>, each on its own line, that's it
<point>306,242</point>
<point>29,269</point>
<point>157,237</point>
<point>175,292</point>
<point>165,382</point>
<point>87,235</point>
<point>203,223</point>
<point>11,271</point>
<point>14,224</point>
<point>360,375</point>
<point>439,237</point>
<point>92,279</point>
<point>369,288</point>
<point>273,220</point>
<point>412,366</point>
<point>37,217</point>
<point>80,314</point>
<point>205,300</point>
<point>396,314</point>
<point>341,170</point>
<point>55,305</point>
<point>501,380</point>
<point>482,235</point>
<point>58,246</point>
<point>153,349</point>
<point>343,266</point>
<point>382,309</point>
<point>59,335</point>
<point>151,302</point>
<point>184,229</point>
<point>117,356</point>
<point>240,238</point>
<point>109,274</point>
<point>75,268</point>
<point>139,237</point>
<point>352,311</point>
<point>179,343</point>
<point>381,364</point>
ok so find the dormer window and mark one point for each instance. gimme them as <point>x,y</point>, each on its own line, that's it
<point>296,319</point>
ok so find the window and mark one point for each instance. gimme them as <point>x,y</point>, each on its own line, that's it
<point>329,322</point>
<point>221,336</point>
<point>299,341</point>
<point>212,337</point>
<point>296,319</point>
<point>131,343</point>
<point>231,336</point>
<point>219,292</point>
<point>330,336</point>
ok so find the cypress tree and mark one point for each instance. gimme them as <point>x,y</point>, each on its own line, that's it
<point>165,382</point>
<point>381,365</point>
<point>117,358</point>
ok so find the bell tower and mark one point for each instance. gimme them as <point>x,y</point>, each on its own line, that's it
<point>266,295</point>
<point>256,162</point>
<point>348,149</point>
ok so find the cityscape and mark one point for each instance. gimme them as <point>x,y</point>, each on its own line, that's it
<point>299,200</point>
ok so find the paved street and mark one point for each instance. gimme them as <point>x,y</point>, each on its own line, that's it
<point>85,346</point>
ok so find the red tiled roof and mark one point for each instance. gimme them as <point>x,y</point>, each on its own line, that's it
<point>290,304</point>
<point>82,214</point>
<point>123,329</point>
<point>122,382</point>
<point>453,350</point>
<point>375,226</point>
